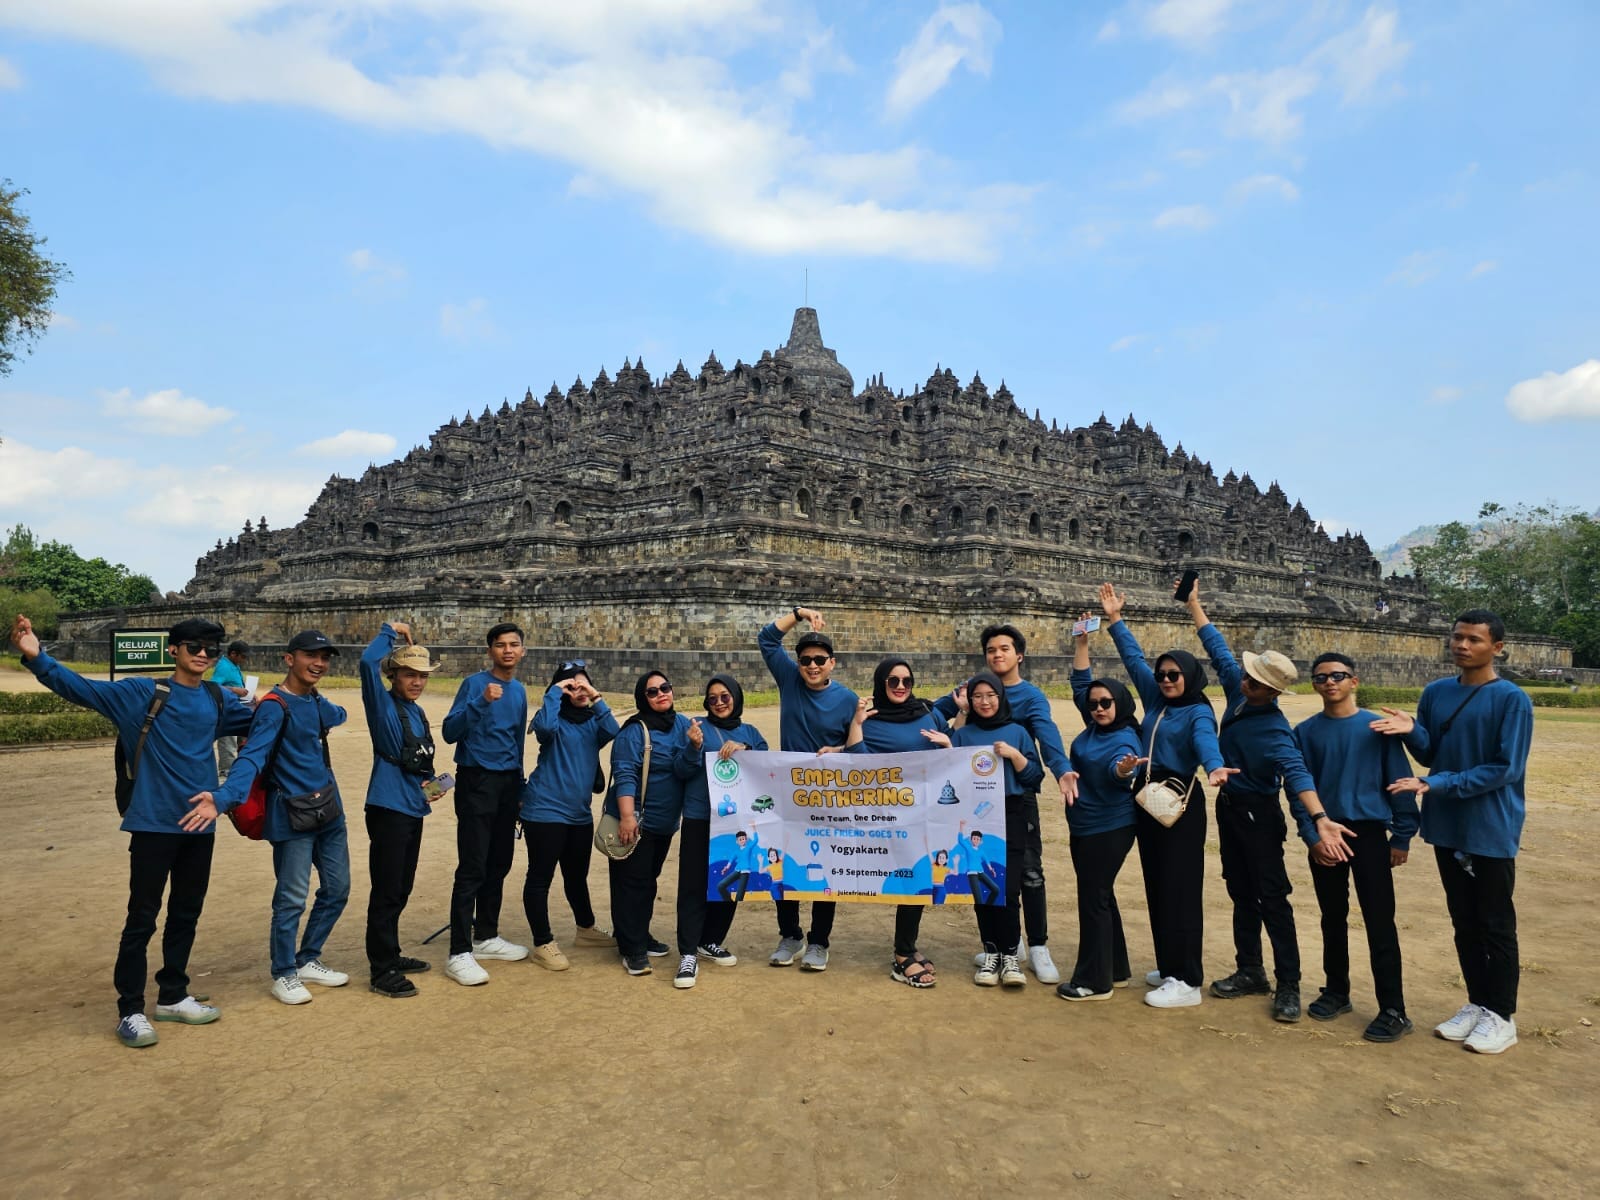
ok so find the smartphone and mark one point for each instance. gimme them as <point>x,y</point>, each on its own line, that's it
<point>1086,625</point>
<point>438,786</point>
<point>1186,585</point>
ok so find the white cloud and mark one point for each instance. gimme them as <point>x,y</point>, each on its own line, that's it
<point>1192,156</point>
<point>1261,106</point>
<point>1445,395</point>
<point>1275,185</point>
<point>368,265</point>
<point>1416,268</point>
<point>819,55</point>
<point>168,411</point>
<point>1574,393</point>
<point>1126,342</point>
<point>60,320</point>
<point>29,475</point>
<point>956,34</point>
<point>1109,32</point>
<point>351,443</point>
<point>466,322</point>
<point>217,498</point>
<point>1186,216</point>
<point>1188,21</point>
<point>629,93</point>
<point>1362,56</point>
<point>1482,268</point>
<point>10,77</point>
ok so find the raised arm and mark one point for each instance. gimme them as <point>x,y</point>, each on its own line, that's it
<point>383,718</point>
<point>1128,649</point>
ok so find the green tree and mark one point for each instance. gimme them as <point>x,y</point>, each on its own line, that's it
<point>1448,567</point>
<point>28,280</point>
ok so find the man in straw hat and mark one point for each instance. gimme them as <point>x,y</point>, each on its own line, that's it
<point>1257,741</point>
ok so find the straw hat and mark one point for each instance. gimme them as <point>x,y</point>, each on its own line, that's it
<point>1271,669</point>
<point>411,658</point>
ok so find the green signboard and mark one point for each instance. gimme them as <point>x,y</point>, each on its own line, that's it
<point>139,650</point>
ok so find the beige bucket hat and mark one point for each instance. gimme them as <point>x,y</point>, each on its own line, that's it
<point>411,658</point>
<point>1274,670</point>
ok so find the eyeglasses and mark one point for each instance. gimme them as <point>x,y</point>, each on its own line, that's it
<point>209,649</point>
<point>664,690</point>
<point>719,701</point>
<point>813,660</point>
<point>898,681</point>
<point>1169,676</point>
<point>1323,677</point>
<point>1102,702</point>
<point>574,664</point>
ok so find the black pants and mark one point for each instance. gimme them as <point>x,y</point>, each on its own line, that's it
<point>486,835</point>
<point>1478,894</point>
<point>1174,865</point>
<point>550,845</point>
<point>394,842</point>
<point>633,891</point>
<point>1252,831</point>
<point>907,925</point>
<point>153,859</point>
<point>999,925</point>
<point>1102,948</point>
<point>701,922</point>
<point>1374,880</point>
<point>822,914</point>
<point>1034,912</point>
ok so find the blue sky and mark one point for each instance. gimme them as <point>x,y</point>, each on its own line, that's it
<point>1349,247</point>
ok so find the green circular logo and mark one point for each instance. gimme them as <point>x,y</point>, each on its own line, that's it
<point>725,770</point>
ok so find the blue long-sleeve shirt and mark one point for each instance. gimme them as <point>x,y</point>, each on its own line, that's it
<point>488,734</point>
<point>807,720</point>
<point>1104,802</point>
<point>178,760</point>
<point>1188,735</point>
<point>560,790</point>
<point>298,768</point>
<point>1353,765</point>
<point>663,798</point>
<point>1017,782</point>
<point>692,766</point>
<point>1255,738</point>
<point>1477,771</point>
<point>898,737</point>
<point>1030,708</point>
<point>388,786</point>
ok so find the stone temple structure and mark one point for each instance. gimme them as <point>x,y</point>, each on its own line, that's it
<point>641,518</point>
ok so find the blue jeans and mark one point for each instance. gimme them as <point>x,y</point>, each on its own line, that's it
<point>329,851</point>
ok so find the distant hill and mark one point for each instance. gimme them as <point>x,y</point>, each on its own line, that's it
<point>1396,557</point>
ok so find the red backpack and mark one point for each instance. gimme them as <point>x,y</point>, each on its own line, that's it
<point>250,818</point>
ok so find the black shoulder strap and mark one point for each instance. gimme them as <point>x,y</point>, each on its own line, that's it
<point>1472,695</point>
<point>158,701</point>
<point>283,727</point>
<point>216,698</point>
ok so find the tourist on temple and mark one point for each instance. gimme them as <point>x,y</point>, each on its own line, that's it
<point>1003,649</point>
<point>1102,821</point>
<point>1177,737</point>
<point>486,724</point>
<point>703,924</point>
<point>572,726</point>
<point>896,721</point>
<point>990,722</point>
<point>814,713</point>
<point>1258,744</point>
<point>646,797</point>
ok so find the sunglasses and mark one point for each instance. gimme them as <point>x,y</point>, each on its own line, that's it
<point>574,664</point>
<point>664,690</point>
<point>209,649</point>
<point>898,681</point>
<point>719,701</point>
<point>1169,676</point>
<point>1323,677</point>
<point>813,660</point>
<point>1102,702</point>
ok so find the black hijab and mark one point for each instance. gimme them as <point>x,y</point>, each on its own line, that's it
<point>1122,706</point>
<point>661,722</point>
<point>897,714</point>
<point>735,716</point>
<point>576,713</point>
<point>1194,678</point>
<point>1002,715</point>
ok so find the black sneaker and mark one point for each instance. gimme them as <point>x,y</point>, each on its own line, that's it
<point>1328,1005</point>
<point>1286,1005</point>
<point>1388,1026</point>
<point>394,985</point>
<point>637,964</point>
<point>658,949</point>
<point>413,966</point>
<point>688,972</point>
<point>1241,983</point>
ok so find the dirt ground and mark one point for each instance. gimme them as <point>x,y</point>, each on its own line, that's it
<point>590,1083</point>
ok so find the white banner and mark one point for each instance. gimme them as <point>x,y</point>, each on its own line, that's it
<point>922,828</point>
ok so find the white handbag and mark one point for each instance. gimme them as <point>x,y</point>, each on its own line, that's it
<point>1164,799</point>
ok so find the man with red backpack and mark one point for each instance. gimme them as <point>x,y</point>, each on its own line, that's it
<point>165,729</point>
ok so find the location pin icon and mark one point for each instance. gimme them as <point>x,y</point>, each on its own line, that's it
<point>816,847</point>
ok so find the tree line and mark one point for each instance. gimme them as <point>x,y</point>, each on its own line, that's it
<point>45,579</point>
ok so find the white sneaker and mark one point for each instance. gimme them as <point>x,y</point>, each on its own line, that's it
<point>315,972</point>
<point>289,990</point>
<point>1493,1034</point>
<point>1154,979</point>
<point>464,969</point>
<point>1173,993</point>
<point>1042,965</point>
<point>188,1010</point>
<point>988,972</point>
<point>136,1031</point>
<point>1011,970</point>
<point>1459,1027</point>
<point>498,949</point>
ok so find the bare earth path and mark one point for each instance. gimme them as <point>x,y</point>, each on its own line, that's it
<point>763,1081</point>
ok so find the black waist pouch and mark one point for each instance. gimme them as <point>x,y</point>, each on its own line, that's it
<point>314,810</point>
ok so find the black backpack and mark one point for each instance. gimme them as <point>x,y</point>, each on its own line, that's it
<point>127,771</point>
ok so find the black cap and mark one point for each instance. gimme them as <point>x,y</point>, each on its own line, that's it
<point>311,639</point>
<point>195,629</point>
<point>813,638</point>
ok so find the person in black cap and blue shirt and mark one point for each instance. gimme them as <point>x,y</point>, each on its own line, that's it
<point>305,818</point>
<point>486,724</point>
<point>176,760</point>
